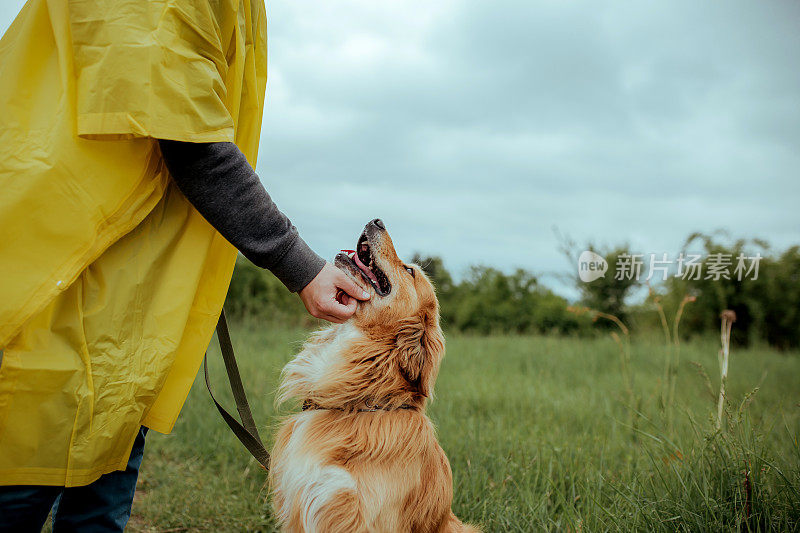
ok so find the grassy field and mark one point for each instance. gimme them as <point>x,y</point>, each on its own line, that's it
<point>539,436</point>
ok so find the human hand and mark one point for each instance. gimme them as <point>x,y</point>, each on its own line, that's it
<point>322,296</point>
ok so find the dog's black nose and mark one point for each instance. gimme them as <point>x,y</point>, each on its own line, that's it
<point>378,222</point>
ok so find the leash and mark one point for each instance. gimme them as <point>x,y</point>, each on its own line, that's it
<point>245,430</point>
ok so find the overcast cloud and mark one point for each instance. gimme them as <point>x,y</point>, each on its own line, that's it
<point>472,128</point>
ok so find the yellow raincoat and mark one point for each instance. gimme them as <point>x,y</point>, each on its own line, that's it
<point>110,282</point>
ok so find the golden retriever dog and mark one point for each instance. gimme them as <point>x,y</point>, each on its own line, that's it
<point>362,455</point>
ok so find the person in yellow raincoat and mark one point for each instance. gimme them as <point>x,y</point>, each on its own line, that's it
<point>128,134</point>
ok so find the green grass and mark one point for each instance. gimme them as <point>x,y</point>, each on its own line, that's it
<point>539,436</point>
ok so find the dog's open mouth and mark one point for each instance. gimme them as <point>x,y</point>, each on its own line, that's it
<point>363,261</point>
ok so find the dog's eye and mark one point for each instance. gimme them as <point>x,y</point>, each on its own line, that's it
<point>411,271</point>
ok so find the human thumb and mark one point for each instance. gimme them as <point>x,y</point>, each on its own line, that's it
<point>351,287</point>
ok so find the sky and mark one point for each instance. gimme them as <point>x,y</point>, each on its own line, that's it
<point>481,130</point>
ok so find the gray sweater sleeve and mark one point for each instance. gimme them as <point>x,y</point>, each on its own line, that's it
<point>219,182</point>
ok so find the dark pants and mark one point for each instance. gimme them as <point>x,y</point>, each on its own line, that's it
<point>102,506</point>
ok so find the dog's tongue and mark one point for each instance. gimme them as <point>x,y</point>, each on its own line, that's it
<point>362,266</point>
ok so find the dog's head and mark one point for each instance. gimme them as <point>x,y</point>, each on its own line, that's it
<point>389,353</point>
<point>399,290</point>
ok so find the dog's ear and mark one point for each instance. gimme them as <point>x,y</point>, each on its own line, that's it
<point>421,346</point>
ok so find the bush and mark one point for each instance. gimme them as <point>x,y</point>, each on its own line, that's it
<point>255,293</point>
<point>490,301</point>
<point>767,308</point>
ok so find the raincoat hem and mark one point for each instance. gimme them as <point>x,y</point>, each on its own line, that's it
<point>123,126</point>
<point>60,477</point>
<point>56,477</point>
<point>160,424</point>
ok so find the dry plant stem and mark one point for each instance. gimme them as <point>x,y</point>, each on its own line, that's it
<point>676,350</point>
<point>615,320</point>
<point>669,371</point>
<point>748,493</point>
<point>625,360</point>
<point>672,355</point>
<point>725,336</point>
<point>678,315</point>
<point>668,356</point>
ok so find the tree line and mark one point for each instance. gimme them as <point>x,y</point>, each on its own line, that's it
<point>486,300</point>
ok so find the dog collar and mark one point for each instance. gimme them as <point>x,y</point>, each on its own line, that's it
<point>310,405</point>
